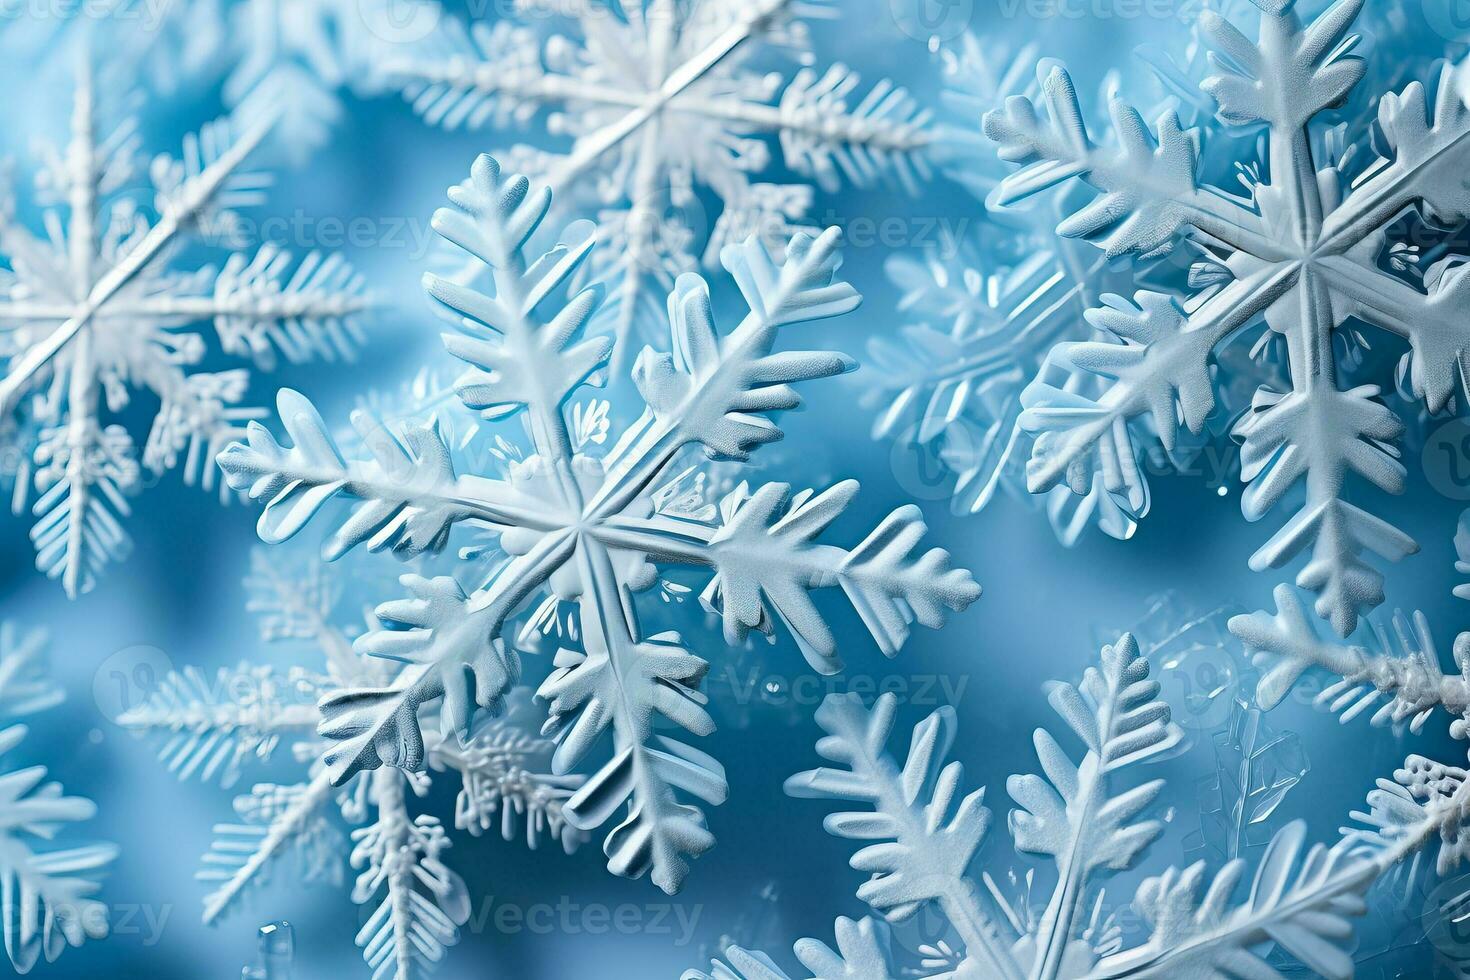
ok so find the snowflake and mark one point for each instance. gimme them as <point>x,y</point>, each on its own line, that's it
<point>46,903</point>
<point>215,726</point>
<point>96,310</point>
<point>588,528</point>
<point>1085,816</point>
<point>988,309</point>
<point>1301,254</point>
<point>661,102</point>
<point>949,384</point>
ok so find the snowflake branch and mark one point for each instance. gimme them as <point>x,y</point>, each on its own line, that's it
<point>1413,684</point>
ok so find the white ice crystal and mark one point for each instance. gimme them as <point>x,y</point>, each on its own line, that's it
<point>214,726</point>
<point>1302,253</point>
<point>96,311</point>
<point>46,893</point>
<point>586,525</point>
<point>664,103</point>
<point>277,949</point>
<point>1085,815</point>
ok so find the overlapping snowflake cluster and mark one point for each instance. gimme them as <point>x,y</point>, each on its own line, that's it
<point>214,727</point>
<point>664,104</point>
<point>535,521</point>
<point>921,832</point>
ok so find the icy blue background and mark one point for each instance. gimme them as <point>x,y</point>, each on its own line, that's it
<point>181,593</point>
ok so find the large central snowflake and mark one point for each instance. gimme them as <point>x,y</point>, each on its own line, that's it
<point>96,311</point>
<point>1308,252</point>
<point>661,100</point>
<point>590,528</point>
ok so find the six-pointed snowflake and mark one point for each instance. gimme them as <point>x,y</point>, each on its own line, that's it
<point>1305,253</point>
<point>588,528</point>
<point>662,100</point>
<point>96,311</point>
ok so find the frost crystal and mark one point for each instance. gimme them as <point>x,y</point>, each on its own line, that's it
<point>1304,252</point>
<point>1084,815</point>
<point>277,944</point>
<point>45,892</point>
<point>214,726</point>
<point>661,101</point>
<point>95,311</point>
<point>588,525</point>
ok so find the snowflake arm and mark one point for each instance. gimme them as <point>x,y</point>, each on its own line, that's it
<point>212,725</point>
<point>930,847</point>
<point>1303,902</point>
<point>278,820</point>
<point>1073,815</point>
<point>1148,189</point>
<point>48,903</point>
<point>1410,684</point>
<point>423,903</point>
<point>658,100</point>
<point>49,893</point>
<point>1301,898</point>
<point>25,686</point>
